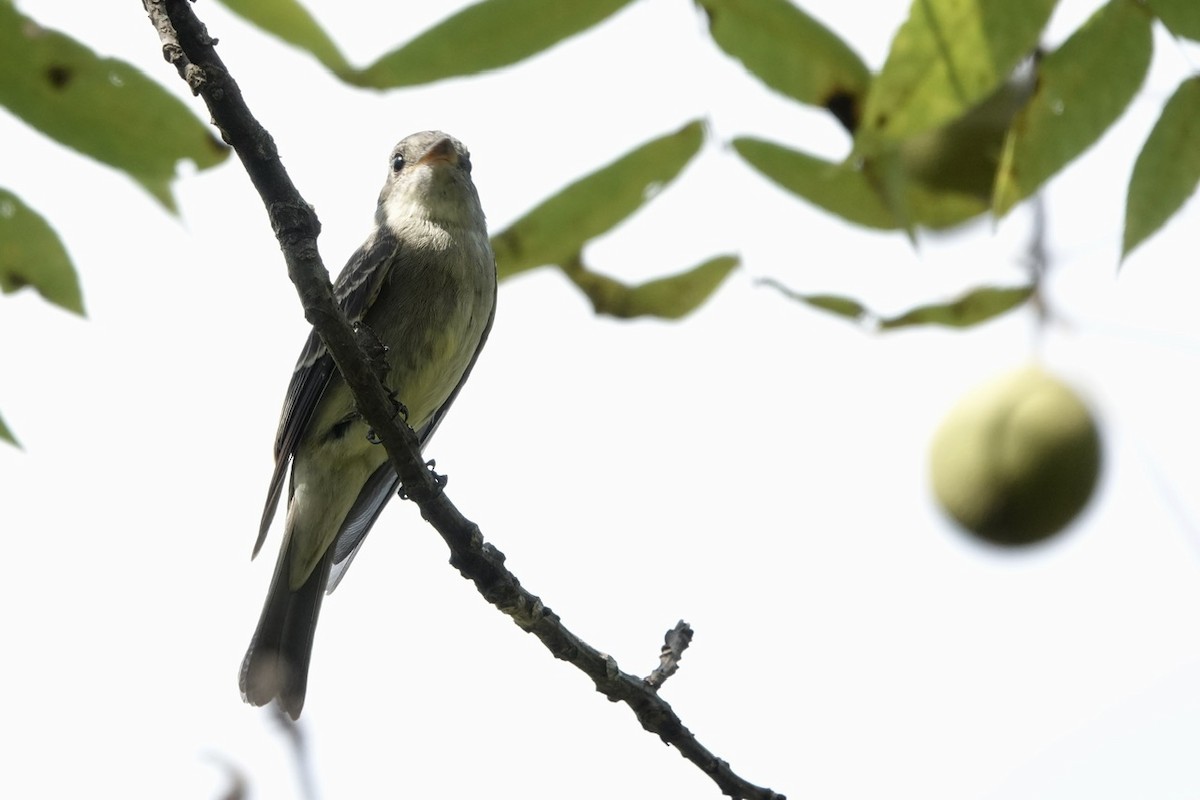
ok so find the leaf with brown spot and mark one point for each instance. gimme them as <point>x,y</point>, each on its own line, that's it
<point>31,254</point>
<point>792,53</point>
<point>102,107</point>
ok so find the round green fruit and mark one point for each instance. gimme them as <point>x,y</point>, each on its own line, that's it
<point>1017,459</point>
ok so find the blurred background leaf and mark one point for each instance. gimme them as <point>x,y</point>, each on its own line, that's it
<point>556,230</point>
<point>838,188</point>
<point>672,297</point>
<point>864,194</point>
<point>1182,17</point>
<point>292,23</point>
<point>1168,168</point>
<point>792,53</point>
<point>1083,87</point>
<point>32,255</point>
<point>973,308</point>
<point>102,107</point>
<point>963,155</point>
<point>6,434</point>
<point>482,37</point>
<point>945,59</point>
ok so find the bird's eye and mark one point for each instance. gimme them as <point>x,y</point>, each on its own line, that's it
<point>397,163</point>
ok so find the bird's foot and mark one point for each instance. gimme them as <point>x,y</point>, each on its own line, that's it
<point>439,479</point>
<point>398,408</point>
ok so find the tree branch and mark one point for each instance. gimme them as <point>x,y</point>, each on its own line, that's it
<point>187,45</point>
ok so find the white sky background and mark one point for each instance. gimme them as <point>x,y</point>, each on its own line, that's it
<point>758,469</point>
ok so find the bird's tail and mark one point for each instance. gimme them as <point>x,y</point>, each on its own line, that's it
<point>276,663</point>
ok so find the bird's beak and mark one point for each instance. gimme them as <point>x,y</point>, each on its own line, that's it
<point>442,151</point>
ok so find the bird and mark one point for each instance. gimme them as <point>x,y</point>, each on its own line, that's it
<point>421,294</point>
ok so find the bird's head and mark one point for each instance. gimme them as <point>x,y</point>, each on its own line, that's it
<point>429,179</point>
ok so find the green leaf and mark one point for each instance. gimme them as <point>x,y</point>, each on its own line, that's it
<point>555,231</point>
<point>672,297</point>
<point>946,58</point>
<point>840,189</point>
<point>974,307</point>
<point>292,23</point>
<point>102,107</point>
<point>7,435</point>
<point>31,254</point>
<point>792,53</point>
<point>834,304</point>
<point>1083,87</point>
<point>873,194</point>
<point>485,36</point>
<point>1168,168</point>
<point>1182,17</point>
<point>963,156</point>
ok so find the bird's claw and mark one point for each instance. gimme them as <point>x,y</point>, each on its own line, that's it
<point>440,480</point>
<point>399,408</point>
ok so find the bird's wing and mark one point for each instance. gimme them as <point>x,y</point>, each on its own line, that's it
<point>355,291</point>
<point>376,492</point>
<point>384,483</point>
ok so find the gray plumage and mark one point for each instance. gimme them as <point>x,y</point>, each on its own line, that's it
<point>423,288</point>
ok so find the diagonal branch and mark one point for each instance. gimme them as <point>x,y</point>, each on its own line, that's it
<point>187,45</point>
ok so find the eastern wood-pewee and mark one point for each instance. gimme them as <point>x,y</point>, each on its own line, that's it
<point>422,291</point>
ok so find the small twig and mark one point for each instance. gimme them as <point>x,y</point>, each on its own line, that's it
<point>295,734</point>
<point>1037,260</point>
<point>187,45</point>
<point>675,642</point>
<point>238,788</point>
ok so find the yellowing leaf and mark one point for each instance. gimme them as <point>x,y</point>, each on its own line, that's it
<point>946,58</point>
<point>555,231</point>
<point>792,53</point>
<point>487,35</point>
<point>1168,168</point>
<point>102,107</point>
<point>963,156</point>
<point>1082,88</point>
<point>31,254</point>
